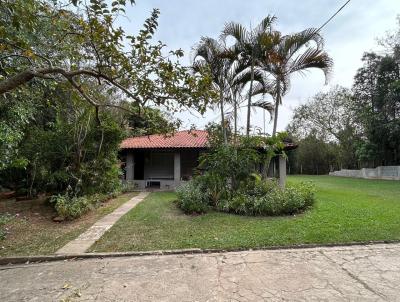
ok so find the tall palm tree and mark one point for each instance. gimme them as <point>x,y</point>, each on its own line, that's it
<point>261,87</point>
<point>250,47</point>
<point>238,77</point>
<point>294,53</point>
<point>208,53</point>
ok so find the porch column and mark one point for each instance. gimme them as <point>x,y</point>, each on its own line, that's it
<point>177,167</point>
<point>282,171</point>
<point>130,166</point>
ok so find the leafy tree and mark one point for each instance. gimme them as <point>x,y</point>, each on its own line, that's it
<point>150,121</point>
<point>74,46</point>
<point>14,119</point>
<point>313,156</point>
<point>65,146</point>
<point>330,118</point>
<point>377,104</point>
<point>71,84</point>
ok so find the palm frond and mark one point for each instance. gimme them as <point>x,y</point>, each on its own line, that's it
<point>265,25</point>
<point>237,31</point>
<point>291,44</point>
<point>266,105</point>
<point>312,58</point>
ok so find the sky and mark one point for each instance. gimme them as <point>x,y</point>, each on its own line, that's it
<point>352,32</point>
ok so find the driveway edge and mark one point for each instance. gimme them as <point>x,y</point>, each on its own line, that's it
<point>80,256</point>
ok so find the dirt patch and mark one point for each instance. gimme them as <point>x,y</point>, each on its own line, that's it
<point>32,231</point>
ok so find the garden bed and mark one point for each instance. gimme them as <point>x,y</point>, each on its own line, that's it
<point>30,229</point>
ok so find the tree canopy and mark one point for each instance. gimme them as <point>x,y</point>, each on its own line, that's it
<point>73,84</point>
<point>55,41</point>
<point>361,124</point>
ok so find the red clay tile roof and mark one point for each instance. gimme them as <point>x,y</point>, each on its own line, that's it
<point>181,139</point>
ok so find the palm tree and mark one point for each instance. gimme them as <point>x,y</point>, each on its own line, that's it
<point>238,76</point>
<point>209,53</point>
<point>237,79</point>
<point>261,87</point>
<point>290,54</point>
<point>250,48</point>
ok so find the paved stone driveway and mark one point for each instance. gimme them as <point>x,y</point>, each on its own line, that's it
<point>370,273</point>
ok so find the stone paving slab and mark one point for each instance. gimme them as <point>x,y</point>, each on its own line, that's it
<point>357,273</point>
<point>84,241</point>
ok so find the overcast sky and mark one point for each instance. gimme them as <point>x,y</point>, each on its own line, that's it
<point>352,32</point>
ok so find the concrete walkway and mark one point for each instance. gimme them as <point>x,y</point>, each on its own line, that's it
<point>86,239</point>
<point>357,273</point>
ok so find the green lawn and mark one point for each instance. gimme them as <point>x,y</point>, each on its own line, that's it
<point>347,210</point>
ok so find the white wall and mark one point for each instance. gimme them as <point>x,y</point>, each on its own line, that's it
<point>381,172</point>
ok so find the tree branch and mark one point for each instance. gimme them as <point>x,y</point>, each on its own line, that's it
<point>27,75</point>
<point>18,56</point>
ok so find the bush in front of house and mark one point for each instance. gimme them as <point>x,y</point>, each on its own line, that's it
<point>271,200</point>
<point>191,198</point>
<point>261,198</point>
<point>234,179</point>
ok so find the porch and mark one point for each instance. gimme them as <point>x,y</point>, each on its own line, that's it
<point>156,169</point>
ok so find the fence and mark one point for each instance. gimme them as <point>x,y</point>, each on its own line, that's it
<point>381,172</point>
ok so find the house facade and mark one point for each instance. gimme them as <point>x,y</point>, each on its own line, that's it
<point>166,161</point>
<point>162,161</point>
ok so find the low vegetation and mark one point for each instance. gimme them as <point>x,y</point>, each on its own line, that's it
<point>258,197</point>
<point>269,199</point>
<point>346,210</point>
<point>72,207</point>
<point>231,183</point>
<point>4,218</point>
<point>28,228</point>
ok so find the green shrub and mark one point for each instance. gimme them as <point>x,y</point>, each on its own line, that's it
<point>213,187</point>
<point>191,198</point>
<point>307,191</point>
<point>74,207</point>
<point>230,180</point>
<point>269,199</point>
<point>71,207</point>
<point>255,186</point>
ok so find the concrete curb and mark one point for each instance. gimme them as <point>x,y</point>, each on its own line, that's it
<point>49,258</point>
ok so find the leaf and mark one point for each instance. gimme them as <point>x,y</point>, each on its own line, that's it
<point>66,286</point>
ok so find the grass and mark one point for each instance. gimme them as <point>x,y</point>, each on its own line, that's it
<point>347,210</point>
<point>29,229</point>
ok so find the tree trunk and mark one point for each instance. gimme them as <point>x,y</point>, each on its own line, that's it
<point>221,105</point>
<point>266,165</point>
<point>249,100</point>
<point>277,102</point>
<point>235,118</point>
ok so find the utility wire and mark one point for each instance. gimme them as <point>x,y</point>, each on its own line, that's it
<point>333,16</point>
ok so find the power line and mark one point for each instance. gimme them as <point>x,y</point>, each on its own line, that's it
<point>333,16</point>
